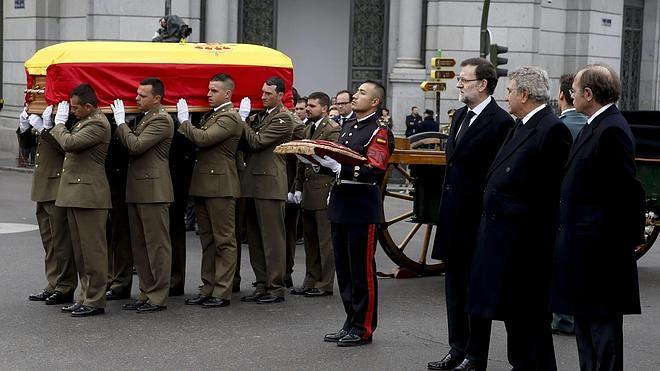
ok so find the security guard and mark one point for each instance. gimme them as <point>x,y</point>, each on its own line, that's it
<point>311,191</point>
<point>85,192</point>
<point>355,211</point>
<point>149,193</point>
<point>215,187</point>
<point>60,265</point>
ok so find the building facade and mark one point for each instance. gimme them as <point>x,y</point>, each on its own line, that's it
<point>337,44</point>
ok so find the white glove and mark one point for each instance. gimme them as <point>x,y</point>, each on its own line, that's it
<point>304,160</point>
<point>244,109</point>
<point>182,112</point>
<point>62,113</point>
<point>289,198</point>
<point>23,122</point>
<point>36,122</point>
<point>118,111</point>
<point>329,162</point>
<point>47,118</point>
<point>297,197</point>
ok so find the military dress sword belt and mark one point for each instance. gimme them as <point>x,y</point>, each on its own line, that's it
<point>342,181</point>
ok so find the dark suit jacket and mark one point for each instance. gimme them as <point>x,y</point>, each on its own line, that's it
<point>513,256</point>
<point>594,270</point>
<point>429,125</point>
<point>465,178</point>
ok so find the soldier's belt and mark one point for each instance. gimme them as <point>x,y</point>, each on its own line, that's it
<point>342,181</point>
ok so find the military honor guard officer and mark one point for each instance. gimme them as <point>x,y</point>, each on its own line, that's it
<point>264,187</point>
<point>215,188</point>
<point>311,191</point>
<point>355,211</point>
<point>61,280</point>
<point>85,193</point>
<point>149,193</point>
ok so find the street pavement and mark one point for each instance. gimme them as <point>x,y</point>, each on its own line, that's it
<point>412,326</point>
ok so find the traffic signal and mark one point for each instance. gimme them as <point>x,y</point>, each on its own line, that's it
<point>496,60</point>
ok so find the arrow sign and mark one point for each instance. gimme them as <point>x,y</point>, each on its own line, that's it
<point>433,86</point>
<point>443,62</point>
<point>439,75</point>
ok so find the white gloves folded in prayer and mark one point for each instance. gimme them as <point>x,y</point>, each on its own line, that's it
<point>297,197</point>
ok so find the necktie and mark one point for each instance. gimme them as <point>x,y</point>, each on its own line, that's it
<point>464,125</point>
<point>312,130</point>
<point>341,121</point>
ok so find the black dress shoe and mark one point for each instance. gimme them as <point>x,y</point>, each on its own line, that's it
<point>116,295</point>
<point>270,299</point>
<point>315,293</point>
<point>176,291</point>
<point>71,308</point>
<point>86,311</point>
<point>198,300</point>
<point>299,290</point>
<point>42,296</point>
<point>447,363</point>
<point>215,303</point>
<point>59,298</point>
<point>288,283</point>
<point>335,336</point>
<point>466,365</point>
<point>150,308</point>
<point>253,297</point>
<point>352,340</point>
<point>134,305</point>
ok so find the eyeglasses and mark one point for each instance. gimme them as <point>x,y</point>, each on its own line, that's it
<point>571,92</point>
<point>463,80</point>
<point>341,103</point>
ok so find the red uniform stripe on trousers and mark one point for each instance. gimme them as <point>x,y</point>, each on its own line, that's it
<point>370,282</point>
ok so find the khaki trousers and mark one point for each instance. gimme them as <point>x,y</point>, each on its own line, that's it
<point>266,243</point>
<point>120,255</point>
<point>59,261</point>
<point>88,238</point>
<point>319,255</point>
<point>216,217</point>
<point>152,252</point>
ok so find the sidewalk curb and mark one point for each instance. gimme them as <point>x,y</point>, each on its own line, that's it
<point>16,169</point>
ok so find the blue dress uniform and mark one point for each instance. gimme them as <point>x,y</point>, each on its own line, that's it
<point>355,209</point>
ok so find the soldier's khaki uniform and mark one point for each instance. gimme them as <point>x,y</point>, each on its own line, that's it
<point>53,226</point>
<point>292,210</point>
<point>215,187</point>
<point>319,256</point>
<point>85,192</point>
<point>148,195</point>
<point>264,186</point>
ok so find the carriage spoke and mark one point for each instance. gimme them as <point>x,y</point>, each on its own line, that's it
<point>399,218</point>
<point>425,244</point>
<point>401,196</point>
<point>409,236</point>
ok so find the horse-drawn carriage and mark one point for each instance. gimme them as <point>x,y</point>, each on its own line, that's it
<point>421,161</point>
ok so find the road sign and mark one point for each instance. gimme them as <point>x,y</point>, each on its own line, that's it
<point>442,74</point>
<point>443,62</point>
<point>433,86</point>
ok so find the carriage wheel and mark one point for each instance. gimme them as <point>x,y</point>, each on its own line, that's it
<point>401,252</point>
<point>651,232</point>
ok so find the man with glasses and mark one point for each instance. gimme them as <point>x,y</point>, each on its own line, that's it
<point>510,275</point>
<point>343,103</point>
<point>477,131</point>
<point>600,223</point>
